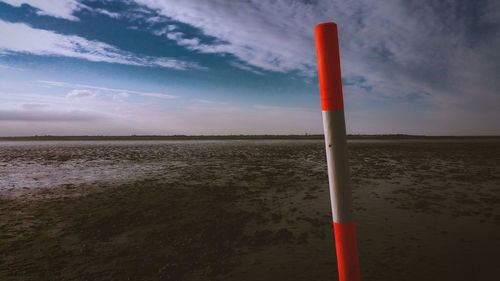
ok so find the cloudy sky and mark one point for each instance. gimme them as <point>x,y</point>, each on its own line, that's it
<point>70,67</point>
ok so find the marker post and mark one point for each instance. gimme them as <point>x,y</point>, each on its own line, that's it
<point>332,104</point>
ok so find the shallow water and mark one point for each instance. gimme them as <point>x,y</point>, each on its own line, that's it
<point>245,210</point>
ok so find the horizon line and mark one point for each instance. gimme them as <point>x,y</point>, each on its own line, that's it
<point>233,136</point>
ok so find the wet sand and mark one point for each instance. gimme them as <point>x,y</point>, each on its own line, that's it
<point>245,210</point>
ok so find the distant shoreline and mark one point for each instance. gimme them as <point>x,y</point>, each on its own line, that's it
<point>234,137</point>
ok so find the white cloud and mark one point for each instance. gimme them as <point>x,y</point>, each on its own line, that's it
<point>282,108</point>
<point>161,31</point>
<point>77,93</point>
<point>106,12</point>
<point>204,101</point>
<point>279,35</point>
<point>179,38</point>
<point>120,92</point>
<point>154,19</point>
<point>54,83</point>
<point>246,67</point>
<point>257,32</point>
<point>400,47</point>
<point>18,37</point>
<point>56,8</point>
<point>31,106</point>
<point>164,30</point>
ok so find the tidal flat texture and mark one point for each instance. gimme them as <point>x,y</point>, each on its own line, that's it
<point>245,210</point>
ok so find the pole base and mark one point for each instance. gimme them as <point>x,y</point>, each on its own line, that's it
<point>347,251</point>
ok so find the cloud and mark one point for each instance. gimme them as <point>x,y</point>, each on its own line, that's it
<point>157,95</point>
<point>356,81</point>
<point>20,38</point>
<point>106,12</point>
<point>80,94</point>
<point>64,9</point>
<point>12,68</point>
<point>31,106</point>
<point>446,49</point>
<point>204,101</point>
<point>121,92</point>
<point>164,30</point>
<point>59,8</point>
<point>39,115</point>
<point>178,37</point>
<point>246,68</point>
<point>271,108</point>
<point>54,83</point>
<point>256,32</point>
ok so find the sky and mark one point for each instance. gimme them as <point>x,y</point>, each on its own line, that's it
<point>70,67</point>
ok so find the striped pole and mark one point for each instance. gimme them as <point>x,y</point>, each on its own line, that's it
<point>330,84</point>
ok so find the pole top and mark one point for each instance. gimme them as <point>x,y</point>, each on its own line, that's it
<point>330,24</point>
<point>327,50</point>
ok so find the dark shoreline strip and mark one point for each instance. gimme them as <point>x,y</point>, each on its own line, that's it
<point>240,137</point>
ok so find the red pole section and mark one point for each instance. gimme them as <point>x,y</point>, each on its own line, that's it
<point>330,84</point>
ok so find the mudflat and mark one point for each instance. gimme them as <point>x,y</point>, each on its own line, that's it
<point>245,210</point>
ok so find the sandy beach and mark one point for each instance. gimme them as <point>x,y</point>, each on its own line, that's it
<point>245,210</point>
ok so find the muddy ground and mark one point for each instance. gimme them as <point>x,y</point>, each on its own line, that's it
<point>245,210</point>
